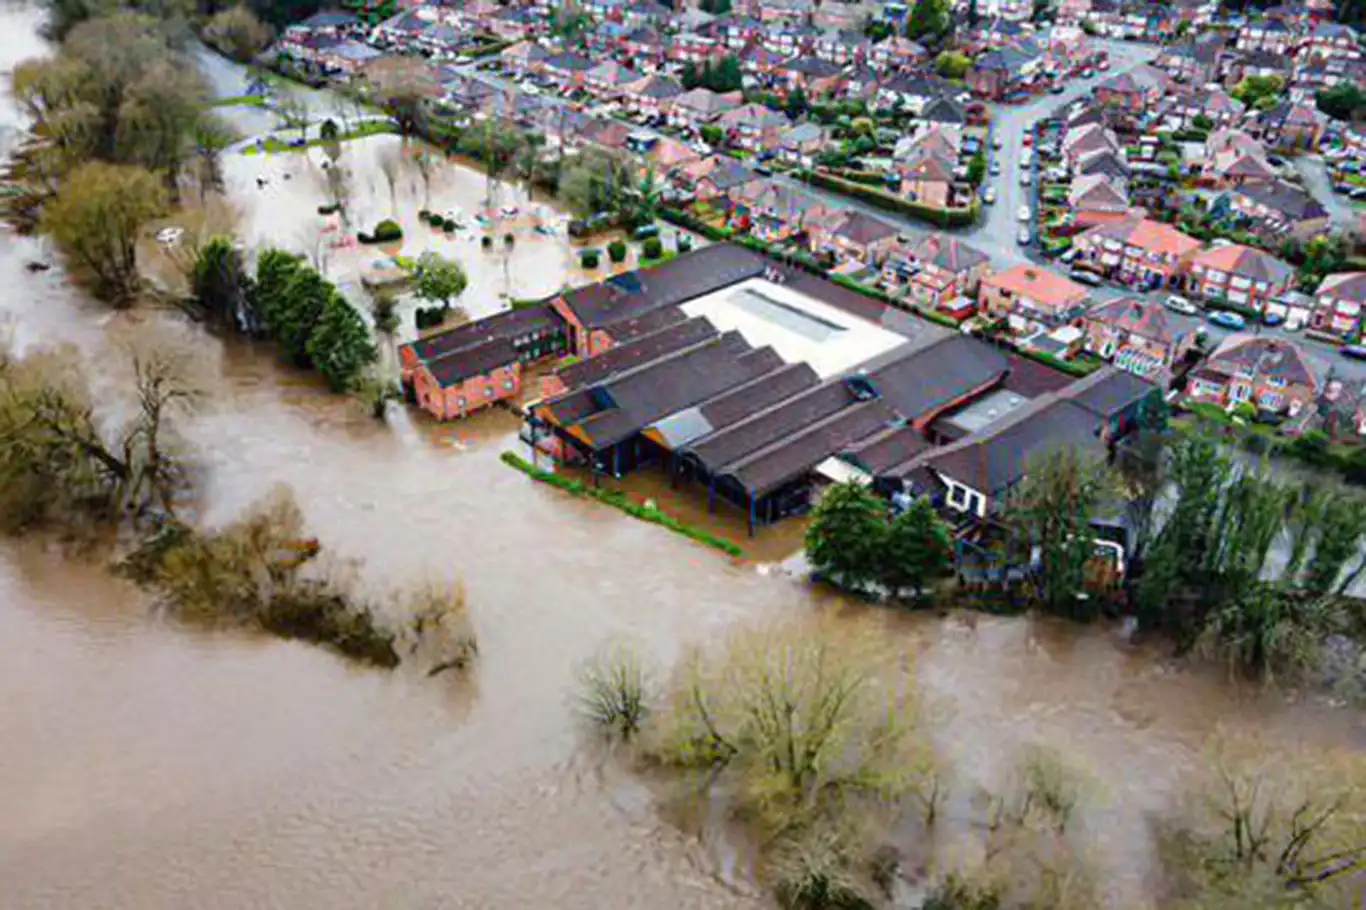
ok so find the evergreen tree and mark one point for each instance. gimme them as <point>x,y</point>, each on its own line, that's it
<point>918,549</point>
<point>847,535</point>
<point>340,345</point>
<point>301,305</point>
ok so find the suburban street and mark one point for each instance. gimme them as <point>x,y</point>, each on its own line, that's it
<point>994,235</point>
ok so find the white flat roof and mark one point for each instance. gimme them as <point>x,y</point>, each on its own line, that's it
<point>799,327</point>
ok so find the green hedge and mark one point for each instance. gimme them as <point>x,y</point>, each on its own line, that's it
<point>385,232</point>
<point>1072,368</point>
<point>685,220</point>
<point>621,501</point>
<point>933,316</point>
<point>887,202</point>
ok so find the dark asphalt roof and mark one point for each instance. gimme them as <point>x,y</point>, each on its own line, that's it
<point>734,442</point>
<point>639,350</point>
<point>927,379</point>
<point>687,277</point>
<point>1032,379</point>
<point>772,388</point>
<point>629,402</point>
<point>890,447</point>
<point>791,457</point>
<point>1109,391</point>
<point>994,461</point>
<point>473,361</point>
<point>511,324</point>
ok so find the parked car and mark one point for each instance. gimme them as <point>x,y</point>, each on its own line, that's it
<point>1104,64</point>
<point>1026,178</point>
<point>170,236</point>
<point>1354,351</point>
<point>1226,320</point>
<point>763,170</point>
<point>1068,257</point>
<point>989,196</point>
<point>1087,73</point>
<point>1023,238</point>
<point>1272,319</point>
<point>1057,88</point>
<point>995,168</point>
<point>996,142</point>
<point>1178,304</point>
<point>1028,139</point>
<point>1082,276</point>
<point>1023,213</point>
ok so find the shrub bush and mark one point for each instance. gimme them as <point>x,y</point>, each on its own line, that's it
<point>385,232</point>
<point>509,240</point>
<point>616,251</point>
<point>424,214</point>
<point>944,218</point>
<point>652,248</point>
<point>428,317</point>
<point>447,225</point>
<point>486,242</point>
<point>684,243</point>
<point>328,209</point>
<point>589,259</point>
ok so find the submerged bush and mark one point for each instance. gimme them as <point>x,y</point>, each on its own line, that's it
<point>589,259</point>
<point>616,251</point>
<point>614,691</point>
<point>652,248</point>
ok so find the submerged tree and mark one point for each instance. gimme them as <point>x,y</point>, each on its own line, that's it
<point>97,218</point>
<point>62,464</point>
<point>236,33</point>
<point>1060,496</point>
<point>439,280</point>
<point>339,345</point>
<point>220,284</point>
<point>847,533</point>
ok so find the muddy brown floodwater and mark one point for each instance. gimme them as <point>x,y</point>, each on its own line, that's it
<point>145,767</point>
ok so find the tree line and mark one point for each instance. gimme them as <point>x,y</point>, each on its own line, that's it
<point>815,736</point>
<point>1203,567</point>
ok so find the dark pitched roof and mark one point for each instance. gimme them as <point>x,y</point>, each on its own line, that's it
<point>509,325</point>
<point>1108,392</point>
<point>630,401</point>
<point>996,458</point>
<point>1285,197</point>
<point>790,458</point>
<point>641,349</point>
<point>737,440</point>
<point>890,447</point>
<point>472,361</point>
<point>919,382</point>
<point>692,275</point>
<point>571,62</point>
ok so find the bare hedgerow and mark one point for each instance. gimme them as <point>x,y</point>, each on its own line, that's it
<point>437,629</point>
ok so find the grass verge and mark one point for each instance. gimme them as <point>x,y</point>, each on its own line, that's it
<point>621,501</point>
<point>239,101</point>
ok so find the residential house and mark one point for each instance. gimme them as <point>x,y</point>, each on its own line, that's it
<point>1213,104</point>
<point>1097,199</point>
<point>1332,39</point>
<point>1238,274</point>
<point>654,95</point>
<point>1134,91</point>
<point>1086,140</point>
<point>1234,158</point>
<point>897,52</point>
<point>720,177</point>
<point>912,93</point>
<point>790,40</point>
<point>800,144</point>
<point>776,212</point>
<point>610,80</point>
<point>1103,161</point>
<point>938,272</point>
<point>1266,372</point>
<point>845,17</point>
<point>1270,35</point>
<point>1032,299</point>
<point>856,236</point>
<point>511,24</point>
<point>1290,126</point>
<point>698,107</point>
<point>669,155</point>
<point>860,82</point>
<point>644,46</point>
<point>1137,250</point>
<point>841,47</point>
<point>786,11</point>
<point>1338,305</point>
<point>999,73</point>
<point>568,69</point>
<point>1277,209</point>
<point>525,57</point>
<point>754,127</point>
<point>927,178</point>
<point>1012,10</point>
<point>345,58</point>
<point>816,77</point>
<point>696,48</point>
<point>1193,62</point>
<point>757,60</point>
<point>1136,335</point>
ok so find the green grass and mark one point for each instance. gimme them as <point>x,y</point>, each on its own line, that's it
<point>620,500</point>
<point>663,258</point>
<point>239,101</point>
<point>371,128</point>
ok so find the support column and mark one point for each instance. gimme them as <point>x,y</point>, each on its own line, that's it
<point>616,460</point>
<point>751,513</point>
<point>711,494</point>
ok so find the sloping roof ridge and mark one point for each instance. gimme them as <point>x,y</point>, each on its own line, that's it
<point>750,458</point>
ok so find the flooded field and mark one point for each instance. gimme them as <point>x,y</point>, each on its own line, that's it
<point>147,767</point>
